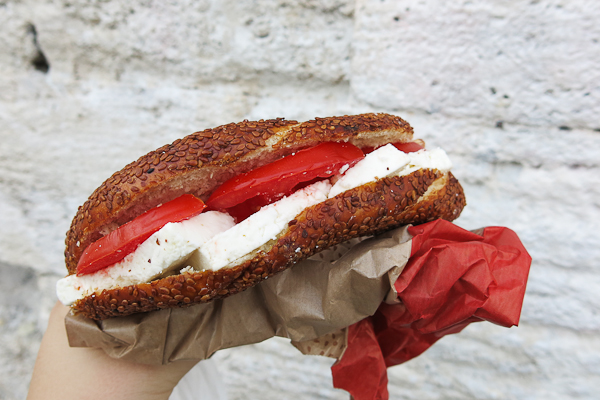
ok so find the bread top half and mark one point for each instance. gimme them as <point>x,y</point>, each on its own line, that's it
<point>202,161</point>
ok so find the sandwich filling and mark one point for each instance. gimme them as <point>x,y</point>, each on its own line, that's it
<point>212,240</point>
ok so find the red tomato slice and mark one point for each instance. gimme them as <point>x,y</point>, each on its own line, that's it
<point>271,182</point>
<point>125,239</point>
<point>409,147</point>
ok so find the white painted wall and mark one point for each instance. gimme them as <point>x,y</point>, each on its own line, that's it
<point>510,88</point>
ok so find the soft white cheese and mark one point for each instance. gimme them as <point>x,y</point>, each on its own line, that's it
<point>165,250</point>
<point>257,229</point>
<point>389,161</point>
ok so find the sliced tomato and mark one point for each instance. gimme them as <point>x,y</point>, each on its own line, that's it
<point>409,147</point>
<point>124,240</point>
<point>246,193</point>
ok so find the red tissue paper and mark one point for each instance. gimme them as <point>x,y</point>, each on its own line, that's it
<point>453,277</point>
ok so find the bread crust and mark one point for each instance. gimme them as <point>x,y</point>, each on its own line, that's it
<point>367,210</point>
<point>200,162</point>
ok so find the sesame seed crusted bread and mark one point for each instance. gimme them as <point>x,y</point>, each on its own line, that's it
<point>199,163</point>
<point>202,161</point>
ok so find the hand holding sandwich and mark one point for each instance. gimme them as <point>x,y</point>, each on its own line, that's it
<point>219,211</point>
<point>62,372</point>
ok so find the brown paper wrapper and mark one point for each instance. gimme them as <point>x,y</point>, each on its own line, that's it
<point>311,303</point>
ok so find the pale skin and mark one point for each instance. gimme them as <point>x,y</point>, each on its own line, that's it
<point>65,373</point>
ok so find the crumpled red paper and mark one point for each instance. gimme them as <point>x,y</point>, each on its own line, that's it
<point>454,277</point>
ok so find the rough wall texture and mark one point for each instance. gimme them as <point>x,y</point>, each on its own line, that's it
<point>511,89</point>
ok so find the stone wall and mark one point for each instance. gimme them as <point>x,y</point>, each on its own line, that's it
<point>511,89</point>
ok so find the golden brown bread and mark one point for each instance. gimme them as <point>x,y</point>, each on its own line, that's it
<point>187,165</point>
<point>200,162</point>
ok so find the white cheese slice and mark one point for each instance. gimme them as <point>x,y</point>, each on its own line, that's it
<point>389,161</point>
<point>257,229</point>
<point>164,251</point>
